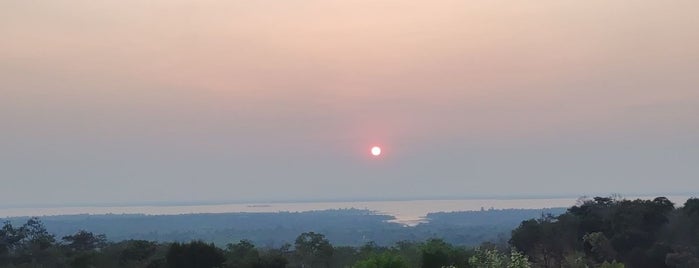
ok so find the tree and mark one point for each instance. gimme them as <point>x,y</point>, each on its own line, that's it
<point>683,234</point>
<point>383,260</point>
<point>137,251</point>
<point>9,240</point>
<point>633,232</point>
<point>272,260</point>
<point>242,254</point>
<point>613,264</point>
<point>85,241</point>
<point>518,260</point>
<point>543,240</point>
<point>487,258</point>
<point>36,240</point>
<point>36,236</point>
<point>409,250</point>
<point>370,248</point>
<point>313,249</point>
<point>195,254</point>
<point>492,258</point>
<point>26,244</point>
<point>437,253</point>
<point>600,247</point>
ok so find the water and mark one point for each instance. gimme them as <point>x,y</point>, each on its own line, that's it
<point>405,212</point>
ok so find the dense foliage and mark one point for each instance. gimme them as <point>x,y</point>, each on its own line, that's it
<point>609,231</point>
<point>30,245</point>
<point>601,232</point>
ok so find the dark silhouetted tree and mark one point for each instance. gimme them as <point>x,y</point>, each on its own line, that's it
<point>195,254</point>
<point>313,250</point>
<point>85,241</point>
<point>242,254</point>
<point>436,253</point>
<point>137,251</point>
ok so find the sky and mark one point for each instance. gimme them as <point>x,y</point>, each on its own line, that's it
<point>107,102</point>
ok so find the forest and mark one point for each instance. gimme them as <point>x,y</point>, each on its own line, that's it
<point>599,232</point>
<point>347,227</point>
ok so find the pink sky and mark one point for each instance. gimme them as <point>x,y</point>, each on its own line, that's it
<point>467,97</point>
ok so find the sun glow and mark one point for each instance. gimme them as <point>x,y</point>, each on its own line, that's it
<point>376,151</point>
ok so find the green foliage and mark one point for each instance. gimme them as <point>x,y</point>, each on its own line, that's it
<point>195,254</point>
<point>600,248</point>
<point>575,259</point>
<point>84,260</point>
<point>136,252</point>
<point>409,250</point>
<point>35,236</point>
<point>612,264</point>
<point>29,243</point>
<point>242,254</point>
<point>614,232</point>
<point>544,240</point>
<point>436,253</point>
<point>518,260</point>
<point>313,249</point>
<point>487,258</point>
<point>601,232</point>
<point>384,260</point>
<point>85,241</point>
<point>273,260</point>
<point>492,258</point>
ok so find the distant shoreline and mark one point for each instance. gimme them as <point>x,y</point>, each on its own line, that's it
<point>336,200</point>
<point>404,212</point>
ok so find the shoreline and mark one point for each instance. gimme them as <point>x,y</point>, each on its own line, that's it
<point>408,213</point>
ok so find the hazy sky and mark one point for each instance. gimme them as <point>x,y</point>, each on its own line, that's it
<point>187,101</point>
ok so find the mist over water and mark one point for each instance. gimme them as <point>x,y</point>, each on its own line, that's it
<point>408,213</point>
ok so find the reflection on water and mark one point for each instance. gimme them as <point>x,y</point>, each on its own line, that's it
<point>405,212</point>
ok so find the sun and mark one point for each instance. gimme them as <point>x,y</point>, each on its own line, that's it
<point>376,151</point>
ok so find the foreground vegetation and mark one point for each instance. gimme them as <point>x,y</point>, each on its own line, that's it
<point>601,232</point>
<point>638,233</point>
<point>31,246</point>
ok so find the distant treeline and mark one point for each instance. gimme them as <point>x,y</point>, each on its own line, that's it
<point>347,227</point>
<point>600,232</point>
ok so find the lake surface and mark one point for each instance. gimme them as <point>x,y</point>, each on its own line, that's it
<point>405,212</point>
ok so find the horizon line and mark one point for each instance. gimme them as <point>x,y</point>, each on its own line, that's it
<point>343,199</point>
